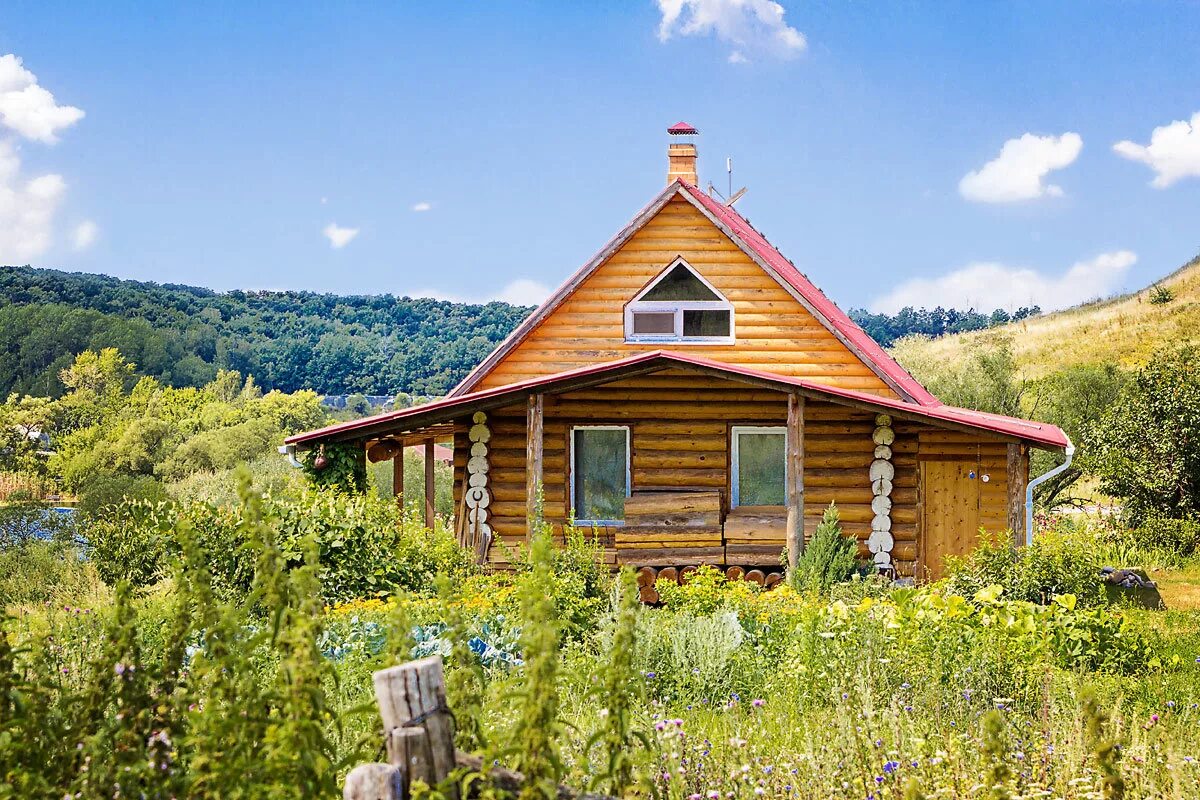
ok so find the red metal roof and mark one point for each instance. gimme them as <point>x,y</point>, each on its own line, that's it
<point>1039,433</point>
<point>756,246</point>
<point>681,128</point>
<point>859,339</point>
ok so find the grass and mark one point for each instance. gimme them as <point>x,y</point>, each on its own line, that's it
<point>1180,589</point>
<point>1123,330</point>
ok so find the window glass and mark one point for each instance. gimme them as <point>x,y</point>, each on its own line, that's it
<point>714,322</point>
<point>600,473</point>
<point>653,322</point>
<point>680,284</point>
<point>761,469</point>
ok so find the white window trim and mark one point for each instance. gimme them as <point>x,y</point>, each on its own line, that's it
<point>628,476</point>
<point>735,434</point>
<point>678,307</point>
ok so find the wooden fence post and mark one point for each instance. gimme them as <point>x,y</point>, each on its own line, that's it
<point>374,782</point>
<point>412,697</point>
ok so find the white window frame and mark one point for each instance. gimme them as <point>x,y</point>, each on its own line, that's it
<point>628,472</point>
<point>735,435</point>
<point>677,307</point>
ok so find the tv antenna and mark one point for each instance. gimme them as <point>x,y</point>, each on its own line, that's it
<point>732,195</point>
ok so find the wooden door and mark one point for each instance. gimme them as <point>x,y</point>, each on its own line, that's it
<point>950,511</point>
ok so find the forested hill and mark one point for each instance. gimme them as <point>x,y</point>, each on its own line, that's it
<point>334,344</point>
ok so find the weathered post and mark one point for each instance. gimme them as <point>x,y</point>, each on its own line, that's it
<point>795,479</point>
<point>1018,479</point>
<point>533,463</point>
<point>398,478</point>
<point>374,782</point>
<point>430,490</point>
<point>412,698</point>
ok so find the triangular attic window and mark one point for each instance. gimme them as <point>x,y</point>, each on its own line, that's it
<point>680,283</point>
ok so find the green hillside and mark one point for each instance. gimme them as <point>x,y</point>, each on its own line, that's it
<point>1123,331</point>
<point>379,344</point>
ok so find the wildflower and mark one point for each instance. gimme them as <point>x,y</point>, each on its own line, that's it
<point>758,703</point>
<point>891,766</point>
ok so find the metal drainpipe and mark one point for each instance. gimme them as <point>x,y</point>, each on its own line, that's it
<point>289,450</point>
<point>1033,484</point>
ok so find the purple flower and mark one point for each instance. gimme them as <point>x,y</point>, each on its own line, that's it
<point>759,703</point>
<point>891,766</point>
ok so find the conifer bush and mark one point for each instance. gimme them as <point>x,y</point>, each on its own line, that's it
<point>828,558</point>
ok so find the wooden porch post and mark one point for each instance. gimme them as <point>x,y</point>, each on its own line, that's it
<point>429,487</point>
<point>795,479</point>
<point>533,462</point>
<point>398,477</point>
<point>1018,479</point>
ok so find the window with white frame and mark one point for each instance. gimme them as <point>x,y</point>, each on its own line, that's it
<point>759,466</point>
<point>599,473</point>
<point>679,306</point>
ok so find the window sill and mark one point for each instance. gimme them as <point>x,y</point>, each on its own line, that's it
<point>684,342</point>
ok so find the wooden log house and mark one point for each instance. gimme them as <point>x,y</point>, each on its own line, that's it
<point>693,398</point>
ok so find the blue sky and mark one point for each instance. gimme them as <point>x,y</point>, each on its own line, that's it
<point>234,145</point>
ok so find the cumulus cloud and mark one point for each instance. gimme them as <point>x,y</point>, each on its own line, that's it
<point>1018,172</point>
<point>1173,152</point>
<point>989,285</point>
<point>748,25</point>
<point>422,206</point>
<point>27,209</point>
<point>339,237</point>
<point>521,292</point>
<point>27,108</point>
<point>84,235</point>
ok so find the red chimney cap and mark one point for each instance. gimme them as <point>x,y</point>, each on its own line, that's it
<point>681,129</point>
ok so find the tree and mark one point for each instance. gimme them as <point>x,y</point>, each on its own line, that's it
<point>1146,447</point>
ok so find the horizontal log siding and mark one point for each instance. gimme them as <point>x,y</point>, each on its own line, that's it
<point>683,443</point>
<point>774,331</point>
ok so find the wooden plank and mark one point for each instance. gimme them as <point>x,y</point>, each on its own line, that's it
<point>430,489</point>
<point>533,461</point>
<point>795,478</point>
<point>1017,478</point>
<point>651,503</point>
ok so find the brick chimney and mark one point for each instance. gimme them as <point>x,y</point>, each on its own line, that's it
<point>681,154</point>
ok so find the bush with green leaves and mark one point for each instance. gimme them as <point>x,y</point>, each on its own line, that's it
<point>828,558</point>
<point>1180,537</point>
<point>1144,449</point>
<point>1061,560</point>
<point>364,547</point>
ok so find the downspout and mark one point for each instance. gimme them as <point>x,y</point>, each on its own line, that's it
<point>1033,484</point>
<point>289,450</point>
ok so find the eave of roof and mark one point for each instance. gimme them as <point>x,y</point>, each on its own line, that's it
<point>754,244</point>
<point>1037,433</point>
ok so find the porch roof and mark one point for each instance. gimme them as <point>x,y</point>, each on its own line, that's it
<point>1040,434</point>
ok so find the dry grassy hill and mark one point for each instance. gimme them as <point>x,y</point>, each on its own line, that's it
<point>1124,330</point>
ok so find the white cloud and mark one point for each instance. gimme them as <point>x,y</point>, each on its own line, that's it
<point>755,25</point>
<point>339,237</point>
<point>27,108</point>
<point>27,209</point>
<point>1016,174</point>
<point>84,235</point>
<point>521,292</point>
<point>422,206</point>
<point>1173,152</point>
<point>986,286</point>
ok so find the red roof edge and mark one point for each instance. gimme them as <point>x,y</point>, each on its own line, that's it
<point>1040,433</point>
<point>852,335</point>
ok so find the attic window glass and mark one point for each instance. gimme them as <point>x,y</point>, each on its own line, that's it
<point>679,306</point>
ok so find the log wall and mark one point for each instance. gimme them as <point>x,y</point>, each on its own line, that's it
<point>774,331</point>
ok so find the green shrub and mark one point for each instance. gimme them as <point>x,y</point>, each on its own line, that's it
<point>1060,561</point>
<point>104,490</point>
<point>364,547</point>
<point>1161,295</point>
<point>1178,536</point>
<point>37,572</point>
<point>706,590</point>
<point>828,558</point>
